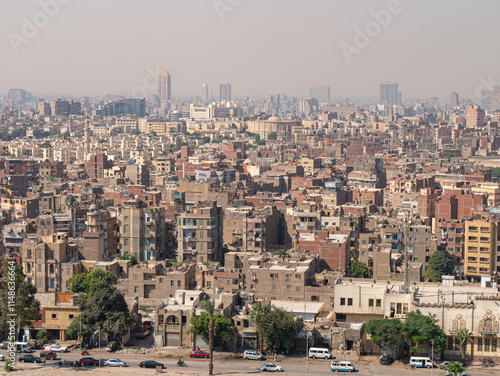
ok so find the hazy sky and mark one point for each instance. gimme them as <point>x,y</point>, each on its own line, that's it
<point>95,47</point>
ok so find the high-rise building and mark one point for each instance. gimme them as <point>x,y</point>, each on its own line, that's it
<point>142,231</point>
<point>199,233</point>
<point>486,98</point>
<point>389,92</point>
<point>164,86</point>
<point>225,92</point>
<point>454,99</point>
<point>321,93</point>
<point>126,107</point>
<point>18,96</point>
<point>204,93</point>
<point>474,116</point>
<point>480,249</point>
<point>495,98</point>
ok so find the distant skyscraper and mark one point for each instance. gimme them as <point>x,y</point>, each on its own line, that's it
<point>204,92</point>
<point>486,98</point>
<point>225,92</point>
<point>454,99</point>
<point>164,86</point>
<point>389,92</point>
<point>321,93</point>
<point>18,96</point>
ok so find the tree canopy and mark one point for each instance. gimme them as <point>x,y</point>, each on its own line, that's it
<point>359,270</point>
<point>422,330</point>
<point>439,264</point>
<point>26,307</point>
<point>83,282</point>
<point>223,329</point>
<point>385,332</point>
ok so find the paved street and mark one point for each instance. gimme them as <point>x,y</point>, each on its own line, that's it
<point>227,365</point>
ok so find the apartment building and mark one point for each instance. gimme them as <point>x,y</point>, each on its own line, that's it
<point>480,249</point>
<point>42,259</point>
<point>199,233</point>
<point>142,231</point>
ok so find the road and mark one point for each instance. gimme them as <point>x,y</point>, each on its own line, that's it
<point>228,365</point>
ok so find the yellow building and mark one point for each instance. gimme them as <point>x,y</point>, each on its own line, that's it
<point>492,190</point>
<point>480,249</point>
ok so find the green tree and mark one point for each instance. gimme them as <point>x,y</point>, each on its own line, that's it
<point>26,307</point>
<point>223,329</point>
<point>455,368</point>
<point>464,336</point>
<point>439,264</point>
<point>153,133</point>
<point>272,136</point>
<point>209,307</point>
<point>41,336</point>
<point>385,332</point>
<point>130,257</point>
<point>83,282</point>
<point>495,172</point>
<point>103,307</point>
<point>279,252</point>
<point>280,328</point>
<point>8,365</point>
<point>135,132</point>
<point>359,269</point>
<point>258,314</point>
<point>421,329</point>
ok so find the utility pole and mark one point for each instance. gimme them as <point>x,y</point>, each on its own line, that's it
<point>305,332</point>
<point>432,357</point>
<point>344,344</point>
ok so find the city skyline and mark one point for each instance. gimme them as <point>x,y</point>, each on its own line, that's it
<point>88,66</point>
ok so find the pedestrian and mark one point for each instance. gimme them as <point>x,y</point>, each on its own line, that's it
<point>275,356</point>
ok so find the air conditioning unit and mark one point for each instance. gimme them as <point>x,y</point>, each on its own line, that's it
<point>254,278</point>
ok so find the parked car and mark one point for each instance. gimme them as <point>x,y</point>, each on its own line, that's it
<point>112,346</point>
<point>29,359</point>
<point>270,367</point>
<point>463,373</point>
<point>56,348</point>
<point>386,360</point>
<point>89,362</point>
<point>252,355</point>
<point>319,352</point>
<point>151,364</point>
<point>2,357</point>
<point>4,344</point>
<point>444,364</point>
<point>115,363</point>
<point>26,350</point>
<point>199,354</point>
<point>48,354</point>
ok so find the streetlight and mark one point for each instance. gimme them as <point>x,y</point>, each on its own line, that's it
<point>432,357</point>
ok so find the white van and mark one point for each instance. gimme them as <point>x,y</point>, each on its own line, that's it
<point>342,366</point>
<point>318,352</point>
<point>421,362</point>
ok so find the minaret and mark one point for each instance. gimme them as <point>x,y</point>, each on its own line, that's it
<point>70,126</point>
<point>87,136</point>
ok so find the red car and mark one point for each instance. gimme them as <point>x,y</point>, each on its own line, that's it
<point>199,354</point>
<point>89,362</point>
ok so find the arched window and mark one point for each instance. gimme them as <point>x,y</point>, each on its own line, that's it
<point>51,269</point>
<point>172,320</point>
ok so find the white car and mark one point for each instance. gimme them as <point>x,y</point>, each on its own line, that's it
<point>2,357</point>
<point>115,363</point>
<point>252,355</point>
<point>463,373</point>
<point>270,367</point>
<point>56,348</point>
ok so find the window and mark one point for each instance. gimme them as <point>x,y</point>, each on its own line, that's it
<point>370,302</point>
<point>136,289</point>
<point>379,302</point>
<point>184,320</point>
<point>172,320</point>
<point>54,316</point>
<point>70,316</point>
<point>479,344</point>
<point>135,276</point>
<point>349,301</point>
<point>342,301</point>
<point>179,283</point>
<point>125,242</point>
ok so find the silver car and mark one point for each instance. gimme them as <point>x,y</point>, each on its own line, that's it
<point>252,355</point>
<point>115,363</point>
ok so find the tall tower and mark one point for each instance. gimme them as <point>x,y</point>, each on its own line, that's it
<point>164,86</point>
<point>70,126</point>
<point>204,93</point>
<point>225,92</point>
<point>86,148</point>
<point>389,92</point>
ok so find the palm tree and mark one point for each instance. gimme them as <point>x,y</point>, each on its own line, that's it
<point>257,314</point>
<point>455,368</point>
<point>209,307</point>
<point>464,336</point>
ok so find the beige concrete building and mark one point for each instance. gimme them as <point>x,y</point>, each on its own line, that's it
<point>480,249</point>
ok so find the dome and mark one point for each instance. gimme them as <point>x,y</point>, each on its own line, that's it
<point>93,207</point>
<point>274,118</point>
